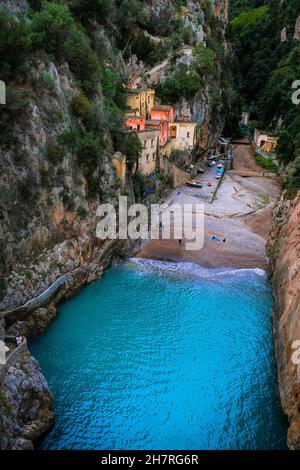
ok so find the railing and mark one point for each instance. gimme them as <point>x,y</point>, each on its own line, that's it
<point>12,357</point>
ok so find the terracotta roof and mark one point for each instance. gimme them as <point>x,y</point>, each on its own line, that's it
<point>160,107</point>
<point>153,122</point>
<point>184,121</point>
<point>134,116</point>
<point>145,130</point>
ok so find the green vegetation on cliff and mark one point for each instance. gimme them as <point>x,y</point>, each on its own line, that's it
<point>268,57</point>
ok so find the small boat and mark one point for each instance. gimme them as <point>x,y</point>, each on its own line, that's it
<point>194,184</point>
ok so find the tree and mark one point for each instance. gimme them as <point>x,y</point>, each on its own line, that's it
<point>51,26</point>
<point>292,176</point>
<point>130,145</point>
<point>15,44</point>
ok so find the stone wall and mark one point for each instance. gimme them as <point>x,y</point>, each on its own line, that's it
<point>284,261</point>
<point>13,357</point>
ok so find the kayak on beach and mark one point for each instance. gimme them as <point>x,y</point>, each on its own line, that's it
<point>194,184</point>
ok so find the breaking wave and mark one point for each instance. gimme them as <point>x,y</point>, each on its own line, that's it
<point>192,269</point>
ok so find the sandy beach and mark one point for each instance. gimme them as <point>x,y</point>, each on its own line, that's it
<point>240,215</point>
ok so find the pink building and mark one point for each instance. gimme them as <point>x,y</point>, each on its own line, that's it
<point>162,113</point>
<point>162,126</point>
<point>135,123</point>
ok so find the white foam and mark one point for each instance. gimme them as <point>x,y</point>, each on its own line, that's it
<point>187,268</point>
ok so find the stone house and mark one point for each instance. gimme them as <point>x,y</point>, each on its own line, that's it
<point>119,162</point>
<point>183,133</point>
<point>267,141</point>
<point>162,126</point>
<point>162,113</point>
<point>140,101</point>
<point>148,159</point>
<point>137,123</point>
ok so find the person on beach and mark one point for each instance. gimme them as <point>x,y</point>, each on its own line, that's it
<point>18,339</point>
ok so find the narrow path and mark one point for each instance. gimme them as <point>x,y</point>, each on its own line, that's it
<point>162,66</point>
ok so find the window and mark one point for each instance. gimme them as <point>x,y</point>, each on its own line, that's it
<point>154,156</point>
<point>188,135</point>
<point>147,158</point>
<point>152,142</point>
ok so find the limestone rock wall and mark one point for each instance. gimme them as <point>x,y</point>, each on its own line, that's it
<point>25,405</point>
<point>284,261</point>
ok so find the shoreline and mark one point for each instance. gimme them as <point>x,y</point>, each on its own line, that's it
<point>241,215</point>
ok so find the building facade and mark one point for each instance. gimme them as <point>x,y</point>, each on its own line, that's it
<point>119,162</point>
<point>137,123</point>
<point>162,113</point>
<point>184,134</point>
<point>268,142</point>
<point>140,101</point>
<point>148,159</point>
<point>162,127</point>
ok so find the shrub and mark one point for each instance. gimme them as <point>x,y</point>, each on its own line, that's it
<point>28,188</point>
<point>48,81</point>
<point>45,179</point>
<point>179,156</point>
<point>15,44</point>
<point>246,20</point>
<point>139,185</point>
<point>85,10</point>
<point>51,26</point>
<point>148,51</point>
<point>130,14</point>
<point>82,60</point>
<point>69,138</point>
<point>112,86</point>
<point>130,145</point>
<point>291,179</point>
<point>113,116</point>
<point>82,212</point>
<point>89,150</point>
<point>15,107</point>
<point>55,153</point>
<point>183,82</point>
<point>80,105</point>
<point>68,201</point>
<point>266,164</point>
<point>93,187</point>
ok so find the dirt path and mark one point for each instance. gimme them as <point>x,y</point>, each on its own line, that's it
<point>244,159</point>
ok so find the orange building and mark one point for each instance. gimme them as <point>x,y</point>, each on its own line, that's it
<point>162,126</point>
<point>135,123</point>
<point>162,113</point>
<point>119,162</point>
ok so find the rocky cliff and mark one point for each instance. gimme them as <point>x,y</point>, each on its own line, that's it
<point>65,65</point>
<point>25,402</point>
<point>61,126</point>
<point>284,261</point>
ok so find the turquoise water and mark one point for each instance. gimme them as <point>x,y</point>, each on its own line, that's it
<point>164,356</point>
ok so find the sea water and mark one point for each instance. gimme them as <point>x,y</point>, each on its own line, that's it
<point>160,355</point>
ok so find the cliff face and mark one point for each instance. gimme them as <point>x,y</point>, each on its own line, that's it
<point>59,130</point>
<point>284,261</point>
<point>25,405</point>
<point>47,215</point>
<point>48,193</point>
